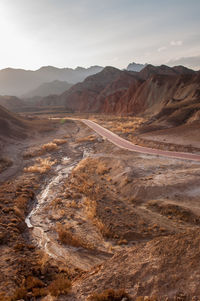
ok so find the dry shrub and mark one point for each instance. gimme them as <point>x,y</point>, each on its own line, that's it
<point>61,285</point>
<point>59,141</point>
<point>41,165</point>
<point>122,126</point>
<point>91,211</point>
<point>109,295</point>
<point>90,208</point>
<point>39,151</point>
<point>90,138</point>
<point>32,282</point>
<point>16,209</point>
<point>84,177</point>
<point>3,297</point>
<point>40,292</point>
<point>122,242</point>
<point>20,293</point>
<point>56,203</point>
<point>21,202</point>
<point>49,146</point>
<point>73,204</point>
<point>67,238</point>
<point>102,168</point>
<point>43,261</point>
<point>19,246</point>
<point>93,165</point>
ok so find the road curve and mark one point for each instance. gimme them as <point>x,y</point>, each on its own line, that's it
<point>122,143</point>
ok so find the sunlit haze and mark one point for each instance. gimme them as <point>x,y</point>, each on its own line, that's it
<point>67,33</point>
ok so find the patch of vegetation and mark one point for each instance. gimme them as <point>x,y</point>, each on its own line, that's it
<point>90,138</point>
<point>109,295</point>
<point>60,286</point>
<point>41,166</point>
<point>43,149</point>
<point>125,126</point>
<point>59,141</point>
<point>68,238</point>
<point>91,211</point>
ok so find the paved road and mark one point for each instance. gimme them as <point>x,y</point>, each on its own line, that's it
<point>120,142</point>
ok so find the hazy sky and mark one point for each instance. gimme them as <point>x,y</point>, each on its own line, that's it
<point>70,33</point>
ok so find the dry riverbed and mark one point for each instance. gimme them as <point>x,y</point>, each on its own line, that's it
<point>80,204</point>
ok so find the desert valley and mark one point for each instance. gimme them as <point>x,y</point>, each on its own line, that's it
<point>84,215</point>
<point>99,150</point>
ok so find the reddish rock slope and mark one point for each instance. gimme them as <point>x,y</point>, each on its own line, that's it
<point>155,90</point>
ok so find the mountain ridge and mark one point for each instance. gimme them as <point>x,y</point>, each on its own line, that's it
<point>19,81</point>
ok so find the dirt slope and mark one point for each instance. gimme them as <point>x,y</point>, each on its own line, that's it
<point>11,125</point>
<point>11,103</point>
<point>163,266</point>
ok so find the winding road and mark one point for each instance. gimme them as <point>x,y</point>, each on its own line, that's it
<point>122,143</point>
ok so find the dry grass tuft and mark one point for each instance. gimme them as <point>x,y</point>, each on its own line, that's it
<point>91,212</point>
<point>59,141</point>
<point>90,166</point>
<point>90,138</point>
<point>32,282</point>
<point>73,204</point>
<point>49,147</point>
<point>67,238</point>
<point>109,295</point>
<point>56,203</point>
<point>124,126</point>
<point>45,148</point>
<point>3,297</point>
<point>60,286</point>
<point>20,293</point>
<point>41,166</point>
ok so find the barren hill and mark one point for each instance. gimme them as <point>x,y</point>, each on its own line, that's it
<point>11,125</point>
<point>11,103</point>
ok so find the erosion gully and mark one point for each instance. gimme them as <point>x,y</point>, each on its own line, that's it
<point>41,226</point>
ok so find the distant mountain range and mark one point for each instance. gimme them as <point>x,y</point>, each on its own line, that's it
<point>55,87</point>
<point>20,82</point>
<point>54,81</point>
<point>47,80</point>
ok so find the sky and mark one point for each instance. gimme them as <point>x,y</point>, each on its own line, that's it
<point>71,33</point>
